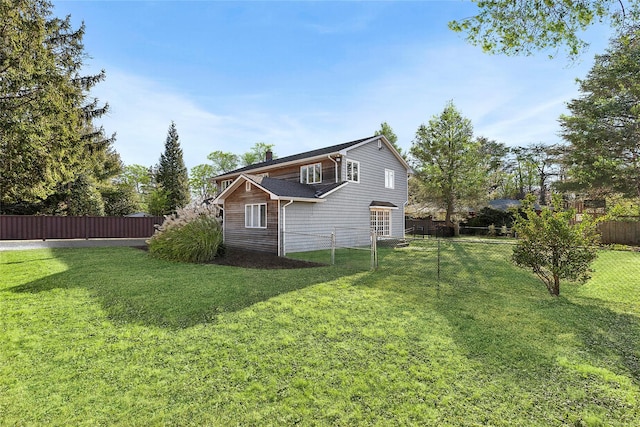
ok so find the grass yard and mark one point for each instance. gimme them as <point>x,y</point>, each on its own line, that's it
<point>110,336</point>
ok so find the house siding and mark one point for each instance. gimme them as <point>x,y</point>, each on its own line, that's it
<point>347,209</point>
<point>292,173</point>
<point>235,233</point>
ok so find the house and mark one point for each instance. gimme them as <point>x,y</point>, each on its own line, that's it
<point>285,205</point>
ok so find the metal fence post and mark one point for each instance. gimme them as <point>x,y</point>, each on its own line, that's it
<point>438,263</point>
<point>333,248</point>
<point>374,250</point>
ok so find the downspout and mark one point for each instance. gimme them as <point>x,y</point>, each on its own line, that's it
<point>284,227</point>
<point>336,167</point>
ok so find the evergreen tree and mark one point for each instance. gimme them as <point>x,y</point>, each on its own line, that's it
<point>388,133</point>
<point>84,199</point>
<point>603,129</point>
<point>172,176</point>
<point>47,139</point>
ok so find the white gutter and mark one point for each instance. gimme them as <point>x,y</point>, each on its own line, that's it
<point>284,227</point>
<point>335,163</point>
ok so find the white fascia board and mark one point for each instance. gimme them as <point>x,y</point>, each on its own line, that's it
<point>236,184</point>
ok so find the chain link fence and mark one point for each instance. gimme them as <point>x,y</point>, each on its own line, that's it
<point>464,260</point>
<point>351,248</point>
<point>467,261</point>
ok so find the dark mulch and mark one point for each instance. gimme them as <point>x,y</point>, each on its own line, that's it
<point>254,259</point>
<point>262,260</point>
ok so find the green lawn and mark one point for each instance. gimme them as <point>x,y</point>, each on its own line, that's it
<point>111,336</point>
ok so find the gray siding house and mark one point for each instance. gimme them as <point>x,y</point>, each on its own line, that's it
<point>282,205</point>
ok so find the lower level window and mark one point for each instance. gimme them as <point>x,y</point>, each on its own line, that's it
<point>255,216</point>
<point>381,222</point>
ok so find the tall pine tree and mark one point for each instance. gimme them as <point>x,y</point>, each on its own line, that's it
<point>603,129</point>
<point>47,138</point>
<point>172,176</point>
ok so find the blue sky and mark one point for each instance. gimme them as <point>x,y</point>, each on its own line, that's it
<point>303,75</point>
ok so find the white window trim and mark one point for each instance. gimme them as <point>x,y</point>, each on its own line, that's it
<point>225,183</point>
<point>247,186</point>
<point>248,219</point>
<point>357,164</point>
<point>389,179</point>
<point>377,220</point>
<point>306,169</point>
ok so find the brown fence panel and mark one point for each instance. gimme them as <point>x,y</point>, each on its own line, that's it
<point>24,227</point>
<point>620,232</point>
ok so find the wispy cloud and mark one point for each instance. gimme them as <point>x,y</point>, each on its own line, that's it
<point>142,110</point>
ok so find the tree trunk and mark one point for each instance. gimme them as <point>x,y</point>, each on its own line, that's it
<point>447,217</point>
<point>554,288</point>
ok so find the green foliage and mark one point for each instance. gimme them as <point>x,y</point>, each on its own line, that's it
<point>138,177</point>
<point>552,247</point>
<point>388,133</point>
<point>604,126</point>
<point>172,174</point>
<point>119,200</point>
<point>47,138</point>
<point>622,209</point>
<point>84,198</point>
<point>522,27</point>
<point>190,235</point>
<point>488,216</point>
<point>223,162</point>
<point>257,154</point>
<point>139,180</point>
<point>157,201</point>
<point>448,161</point>
<point>201,181</point>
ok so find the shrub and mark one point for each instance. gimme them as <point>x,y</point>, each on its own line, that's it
<point>189,235</point>
<point>552,246</point>
<point>488,216</point>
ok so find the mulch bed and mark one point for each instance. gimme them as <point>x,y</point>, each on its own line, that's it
<point>260,260</point>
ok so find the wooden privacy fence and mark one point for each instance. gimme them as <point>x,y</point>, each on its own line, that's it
<point>623,233</point>
<point>24,227</point>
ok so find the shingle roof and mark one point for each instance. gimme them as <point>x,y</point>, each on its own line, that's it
<point>379,204</point>
<point>301,156</point>
<point>284,188</point>
<point>280,187</point>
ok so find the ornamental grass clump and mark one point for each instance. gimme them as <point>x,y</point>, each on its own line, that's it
<point>193,234</point>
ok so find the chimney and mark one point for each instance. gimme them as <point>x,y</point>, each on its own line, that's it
<point>269,156</point>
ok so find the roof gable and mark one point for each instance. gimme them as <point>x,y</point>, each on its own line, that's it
<point>280,189</point>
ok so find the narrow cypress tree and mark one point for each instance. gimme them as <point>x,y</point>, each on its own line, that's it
<point>172,176</point>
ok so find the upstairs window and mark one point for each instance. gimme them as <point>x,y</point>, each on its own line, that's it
<point>255,216</point>
<point>353,171</point>
<point>311,174</point>
<point>224,184</point>
<point>388,179</point>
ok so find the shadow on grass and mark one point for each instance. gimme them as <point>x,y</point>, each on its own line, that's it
<point>132,287</point>
<point>503,317</point>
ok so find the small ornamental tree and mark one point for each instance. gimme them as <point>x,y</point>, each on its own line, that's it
<point>553,247</point>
